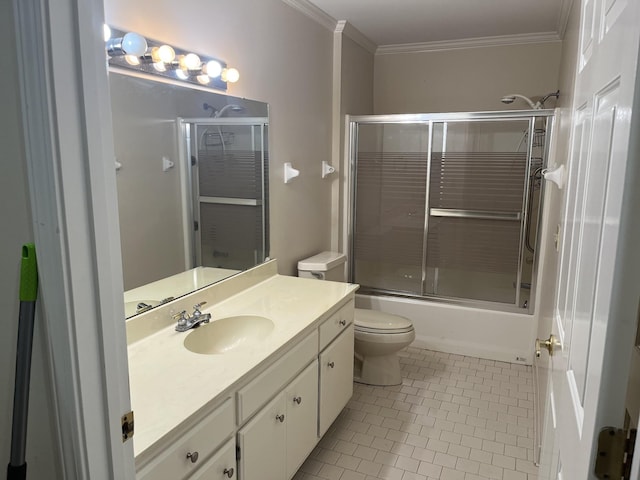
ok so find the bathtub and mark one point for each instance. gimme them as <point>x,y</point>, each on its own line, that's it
<point>463,330</point>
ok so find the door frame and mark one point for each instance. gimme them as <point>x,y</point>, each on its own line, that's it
<point>66,119</point>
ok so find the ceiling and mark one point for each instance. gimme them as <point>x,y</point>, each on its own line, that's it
<point>394,22</point>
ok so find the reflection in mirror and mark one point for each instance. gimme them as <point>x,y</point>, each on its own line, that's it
<point>192,187</point>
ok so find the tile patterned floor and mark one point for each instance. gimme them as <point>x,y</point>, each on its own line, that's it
<point>454,418</point>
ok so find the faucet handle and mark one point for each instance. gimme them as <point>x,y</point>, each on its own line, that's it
<point>197,307</point>
<point>181,317</point>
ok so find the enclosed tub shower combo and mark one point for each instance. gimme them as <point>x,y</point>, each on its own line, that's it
<point>447,208</point>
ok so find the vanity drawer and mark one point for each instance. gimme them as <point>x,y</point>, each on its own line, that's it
<point>335,324</point>
<point>271,381</point>
<point>204,439</point>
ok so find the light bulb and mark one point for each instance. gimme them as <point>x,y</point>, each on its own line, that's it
<point>203,79</point>
<point>191,61</point>
<point>132,60</point>
<point>160,66</point>
<point>181,74</point>
<point>212,68</point>
<point>134,44</point>
<point>163,53</point>
<point>230,75</point>
<point>106,32</point>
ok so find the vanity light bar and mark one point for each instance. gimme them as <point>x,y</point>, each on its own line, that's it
<point>158,58</point>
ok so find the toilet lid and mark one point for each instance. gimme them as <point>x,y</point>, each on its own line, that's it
<point>379,322</point>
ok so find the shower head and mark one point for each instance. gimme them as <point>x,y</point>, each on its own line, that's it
<point>231,107</point>
<point>508,99</point>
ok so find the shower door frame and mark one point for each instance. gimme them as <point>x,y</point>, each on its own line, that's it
<point>430,119</point>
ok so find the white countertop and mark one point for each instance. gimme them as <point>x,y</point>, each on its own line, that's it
<point>169,384</point>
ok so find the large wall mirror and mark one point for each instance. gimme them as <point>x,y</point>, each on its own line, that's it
<point>192,187</point>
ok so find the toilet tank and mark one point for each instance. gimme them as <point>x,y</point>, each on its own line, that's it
<point>323,266</point>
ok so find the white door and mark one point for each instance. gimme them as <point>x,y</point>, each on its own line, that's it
<point>599,273</point>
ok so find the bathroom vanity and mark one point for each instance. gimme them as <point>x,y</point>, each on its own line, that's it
<point>267,382</point>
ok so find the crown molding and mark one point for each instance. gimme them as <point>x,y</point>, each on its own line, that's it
<point>563,18</point>
<point>313,12</point>
<point>545,37</point>
<point>356,35</point>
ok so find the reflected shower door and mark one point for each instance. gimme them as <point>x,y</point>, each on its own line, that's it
<point>229,177</point>
<point>389,224</point>
<point>476,216</point>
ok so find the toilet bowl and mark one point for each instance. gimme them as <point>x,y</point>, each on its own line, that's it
<point>378,338</point>
<point>378,335</point>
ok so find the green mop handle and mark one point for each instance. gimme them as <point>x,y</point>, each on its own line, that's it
<point>17,468</point>
<point>28,274</point>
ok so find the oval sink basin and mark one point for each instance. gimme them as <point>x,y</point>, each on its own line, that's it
<point>227,334</point>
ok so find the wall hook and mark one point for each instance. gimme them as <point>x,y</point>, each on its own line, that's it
<point>290,173</point>
<point>167,164</point>
<point>556,176</point>
<point>327,169</point>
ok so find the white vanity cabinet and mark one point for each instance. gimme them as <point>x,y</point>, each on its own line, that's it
<point>275,442</point>
<point>266,423</point>
<point>191,451</point>
<point>221,466</point>
<point>336,378</point>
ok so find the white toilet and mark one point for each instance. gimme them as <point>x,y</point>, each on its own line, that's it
<point>378,336</point>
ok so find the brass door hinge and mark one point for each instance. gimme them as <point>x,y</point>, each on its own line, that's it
<point>127,426</point>
<point>615,453</point>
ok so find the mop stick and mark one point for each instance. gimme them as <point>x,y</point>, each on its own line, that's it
<point>17,468</point>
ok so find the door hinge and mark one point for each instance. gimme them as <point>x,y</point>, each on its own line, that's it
<point>196,226</point>
<point>238,453</point>
<point>615,453</point>
<point>193,160</point>
<point>127,426</point>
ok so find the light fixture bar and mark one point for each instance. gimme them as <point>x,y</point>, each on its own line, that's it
<point>159,58</point>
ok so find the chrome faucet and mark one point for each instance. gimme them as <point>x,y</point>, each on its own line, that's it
<point>187,322</point>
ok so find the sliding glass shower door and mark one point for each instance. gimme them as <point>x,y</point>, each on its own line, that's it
<point>476,202</point>
<point>390,201</point>
<point>444,206</point>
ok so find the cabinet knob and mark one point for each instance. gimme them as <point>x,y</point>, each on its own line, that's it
<point>342,322</point>
<point>228,472</point>
<point>192,456</point>
<point>331,364</point>
<point>297,400</point>
<point>280,418</point>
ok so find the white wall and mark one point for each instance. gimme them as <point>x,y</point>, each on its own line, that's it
<point>464,80</point>
<point>284,59</point>
<point>16,230</point>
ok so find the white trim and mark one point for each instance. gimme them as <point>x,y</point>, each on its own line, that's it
<point>69,158</point>
<point>563,18</point>
<point>313,12</point>
<point>336,130</point>
<point>503,40</point>
<point>356,35</point>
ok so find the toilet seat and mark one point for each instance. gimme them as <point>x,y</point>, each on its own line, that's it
<point>372,321</point>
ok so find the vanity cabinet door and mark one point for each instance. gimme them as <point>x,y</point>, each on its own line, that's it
<point>336,378</point>
<point>262,443</point>
<point>221,466</point>
<point>302,417</point>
